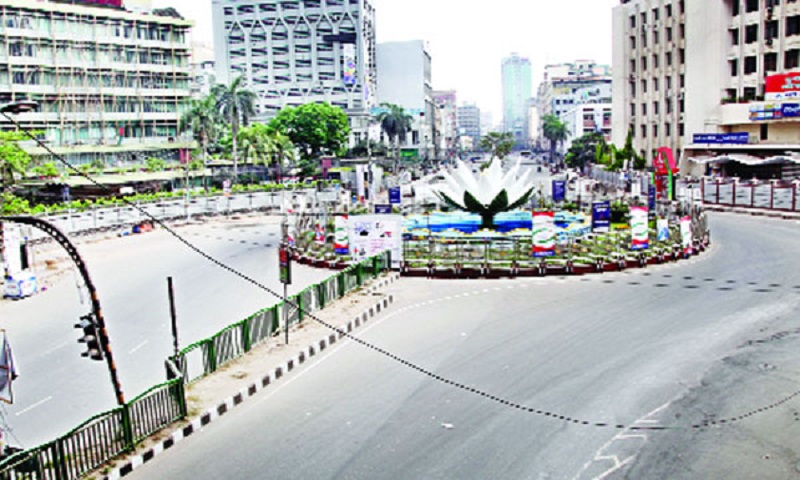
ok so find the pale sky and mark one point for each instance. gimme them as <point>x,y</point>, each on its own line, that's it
<point>468,39</point>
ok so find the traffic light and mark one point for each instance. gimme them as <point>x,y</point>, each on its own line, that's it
<point>91,337</point>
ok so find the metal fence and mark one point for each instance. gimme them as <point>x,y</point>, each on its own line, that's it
<point>206,356</point>
<point>100,438</point>
<point>734,192</point>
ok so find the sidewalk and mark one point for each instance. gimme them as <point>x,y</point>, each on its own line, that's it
<point>756,212</point>
<point>213,396</point>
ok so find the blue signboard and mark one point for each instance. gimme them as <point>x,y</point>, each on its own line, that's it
<point>394,196</point>
<point>601,216</point>
<point>559,190</point>
<point>383,209</point>
<point>790,110</point>
<point>718,138</point>
<point>651,198</point>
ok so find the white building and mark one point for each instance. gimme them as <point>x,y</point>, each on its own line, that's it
<point>204,77</point>
<point>404,70</point>
<point>684,68</point>
<point>111,84</point>
<point>446,112</point>
<point>293,52</point>
<point>469,126</point>
<point>586,118</point>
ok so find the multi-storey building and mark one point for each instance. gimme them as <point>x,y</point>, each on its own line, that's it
<point>517,85</point>
<point>405,80</point>
<point>688,71</point>
<point>469,126</point>
<point>111,84</point>
<point>204,77</point>
<point>566,85</point>
<point>587,118</point>
<point>447,123</point>
<point>292,52</point>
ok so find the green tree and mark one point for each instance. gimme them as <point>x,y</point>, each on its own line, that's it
<point>395,123</point>
<point>203,121</point>
<point>282,150</point>
<point>236,104</point>
<point>14,163</point>
<point>584,150</point>
<point>497,143</point>
<point>555,131</point>
<point>315,129</point>
<point>254,141</point>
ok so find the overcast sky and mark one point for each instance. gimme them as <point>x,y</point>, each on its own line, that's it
<point>468,39</point>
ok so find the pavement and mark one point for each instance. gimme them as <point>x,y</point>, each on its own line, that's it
<point>212,397</point>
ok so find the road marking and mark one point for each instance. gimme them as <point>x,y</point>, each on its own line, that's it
<point>37,404</point>
<point>57,347</point>
<point>137,347</point>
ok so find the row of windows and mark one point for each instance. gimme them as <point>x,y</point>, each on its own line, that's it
<point>655,14</point>
<point>657,107</point>
<point>656,84</point>
<point>91,54</point>
<point>657,35</point>
<point>668,61</point>
<point>771,30</point>
<point>654,129</point>
<point>286,5</point>
<point>118,105</point>
<point>754,5</point>
<point>791,59</point>
<point>46,77</point>
<point>90,27</point>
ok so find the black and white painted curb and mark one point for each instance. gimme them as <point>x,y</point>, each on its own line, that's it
<point>761,212</point>
<point>222,408</point>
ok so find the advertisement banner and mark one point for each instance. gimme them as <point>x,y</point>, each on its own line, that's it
<point>349,61</point>
<point>559,190</point>
<point>686,235</point>
<point>639,237</point>
<point>383,209</point>
<point>651,197</point>
<point>790,110</point>
<point>544,234</point>
<point>340,245</point>
<point>394,196</point>
<point>12,242</point>
<point>291,228</point>
<point>722,138</point>
<point>372,234</point>
<point>782,87</point>
<point>285,265</point>
<point>360,189</point>
<point>319,234</point>
<point>662,227</point>
<point>601,216</point>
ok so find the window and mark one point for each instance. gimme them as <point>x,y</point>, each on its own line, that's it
<point>669,34</point>
<point>655,108</point>
<point>790,59</point>
<point>644,63</point>
<point>632,20</point>
<point>655,60</point>
<point>644,109</point>
<point>680,129</point>
<point>633,109</point>
<point>655,131</point>
<point>668,129</point>
<point>644,131</point>
<point>682,30</point>
<point>749,93</point>
<point>644,18</point>
<point>668,11</point>
<point>750,64</point>
<point>734,64</point>
<point>633,65</point>
<point>655,38</point>
<point>793,25</point>
<point>668,82</point>
<point>735,8</point>
<point>751,6</point>
<point>655,14</point>
<point>764,131</point>
<point>655,84</point>
<point>668,58</point>
<point>770,30</point>
<point>668,105</point>
<point>771,62</point>
<point>681,7</point>
<point>681,81</point>
<point>751,34</point>
<point>644,86</point>
<point>633,89</point>
<point>633,42</point>
<point>682,56</point>
<point>734,36</point>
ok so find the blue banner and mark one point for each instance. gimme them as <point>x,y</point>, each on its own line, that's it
<point>651,198</point>
<point>394,196</point>
<point>559,190</point>
<point>790,110</point>
<point>601,216</point>
<point>383,209</point>
<point>718,138</point>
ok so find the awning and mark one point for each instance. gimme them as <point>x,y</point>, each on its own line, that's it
<point>743,158</point>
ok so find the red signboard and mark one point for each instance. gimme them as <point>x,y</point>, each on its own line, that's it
<point>108,3</point>
<point>779,87</point>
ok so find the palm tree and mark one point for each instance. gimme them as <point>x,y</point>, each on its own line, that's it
<point>498,144</point>
<point>203,120</point>
<point>395,122</point>
<point>282,149</point>
<point>555,131</point>
<point>237,105</point>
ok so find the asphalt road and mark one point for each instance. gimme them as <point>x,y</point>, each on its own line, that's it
<point>58,388</point>
<point>620,348</point>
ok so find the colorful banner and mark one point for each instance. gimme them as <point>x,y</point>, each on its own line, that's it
<point>319,234</point>
<point>601,216</point>
<point>651,196</point>
<point>349,61</point>
<point>639,237</point>
<point>372,234</point>
<point>544,234</point>
<point>394,196</point>
<point>662,227</point>
<point>340,244</point>
<point>686,235</point>
<point>782,87</point>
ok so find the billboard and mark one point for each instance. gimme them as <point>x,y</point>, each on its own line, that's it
<point>601,216</point>
<point>785,86</point>
<point>340,245</point>
<point>349,63</point>
<point>559,190</point>
<point>372,234</point>
<point>639,236</point>
<point>544,234</point>
<point>686,235</point>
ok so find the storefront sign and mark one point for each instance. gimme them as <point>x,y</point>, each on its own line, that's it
<point>718,138</point>
<point>782,87</point>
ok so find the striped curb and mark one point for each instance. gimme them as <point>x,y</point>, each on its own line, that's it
<point>224,407</point>
<point>781,214</point>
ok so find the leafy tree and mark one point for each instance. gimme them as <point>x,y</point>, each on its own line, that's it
<point>584,150</point>
<point>395,123</point>
<point>155,164</point>
<point>498,144</point>
<point>203,120</point>
<point>255,143</point>
<point>555,131</point>
<point>236,104</point>
<point>47,169</point>
<point>316,129</point>
<point>282,150</point>
<point>14,163</point>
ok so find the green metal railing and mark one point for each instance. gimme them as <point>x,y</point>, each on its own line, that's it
<point>100,438</point>
<point>207,355</point>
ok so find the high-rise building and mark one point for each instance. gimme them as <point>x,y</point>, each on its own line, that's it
<point>688,71</point>
<point>111,84</point>
<point>447,123</point>
<point>405,80</point>
<point>293,52</point>
<point>469,125</point>
<point>516,74</point>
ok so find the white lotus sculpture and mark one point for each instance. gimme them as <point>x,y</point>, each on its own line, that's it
<point>487,193</point>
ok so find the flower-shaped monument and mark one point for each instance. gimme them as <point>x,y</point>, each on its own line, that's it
<point>487,193</point>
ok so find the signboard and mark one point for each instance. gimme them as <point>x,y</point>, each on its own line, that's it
<point>601,216</point>
<point>340,235</point>
<point>12,248</point>
<point>409,154</point>
<point>383,209</point>
<point>639,237</point>
<point>394,196</point>
<point>662,227</point>
<point>765,111</point>
<point>651,196</point>
<point>372,234</point>
<point>319,234</point>
<point>686,235</point>
<point>544,234</point>
<point>360,188</point>
<point>285,265</point>
<point>719,138</point>
<point>559,190</point>
<point>782,87</point>
<point>790,110</point>
<point>349,63</point>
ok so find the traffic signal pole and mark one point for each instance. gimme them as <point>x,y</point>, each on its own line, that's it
<point>97,312</point>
